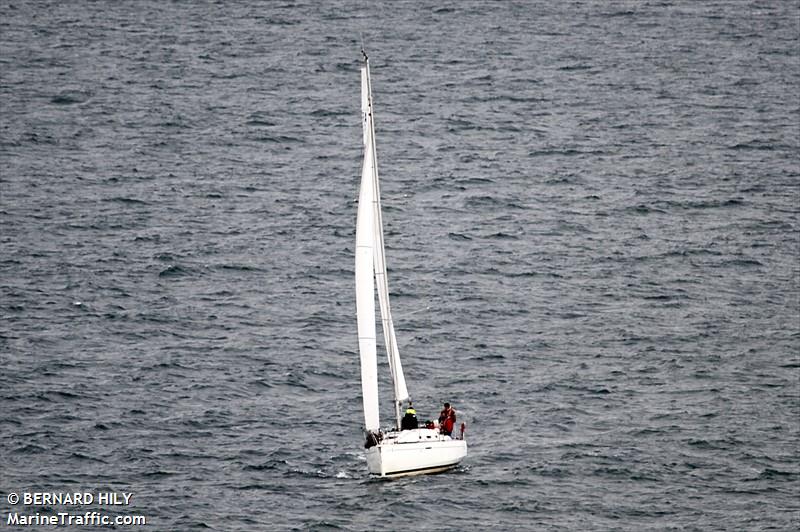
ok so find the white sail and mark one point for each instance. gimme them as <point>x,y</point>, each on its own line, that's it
<point>365,286</point>
<point>381,279</point>
<point>366,109</point>
<point>395,366</point>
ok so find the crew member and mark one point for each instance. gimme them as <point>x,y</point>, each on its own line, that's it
<point>409,421</point>
<point>447,420</point>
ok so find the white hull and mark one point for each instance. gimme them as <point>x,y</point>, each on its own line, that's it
<point>415,452</point>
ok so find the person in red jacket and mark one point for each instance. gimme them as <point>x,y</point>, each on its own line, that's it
<point>447,420</point>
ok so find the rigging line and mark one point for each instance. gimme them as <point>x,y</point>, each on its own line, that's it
<point>403,315</point>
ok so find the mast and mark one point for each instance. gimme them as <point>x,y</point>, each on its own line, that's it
<point>392,352</point>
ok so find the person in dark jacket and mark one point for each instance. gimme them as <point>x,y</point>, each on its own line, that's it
<point>409,421</point>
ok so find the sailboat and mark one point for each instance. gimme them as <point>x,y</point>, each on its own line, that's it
<point>393,452</point>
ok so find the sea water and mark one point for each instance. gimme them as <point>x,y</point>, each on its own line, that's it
<point>591,216</point>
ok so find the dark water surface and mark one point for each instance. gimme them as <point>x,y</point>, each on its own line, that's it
<point>591,215</point>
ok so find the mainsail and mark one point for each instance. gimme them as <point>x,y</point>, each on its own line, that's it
<point>371,273</point>
<point>365,294</point>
